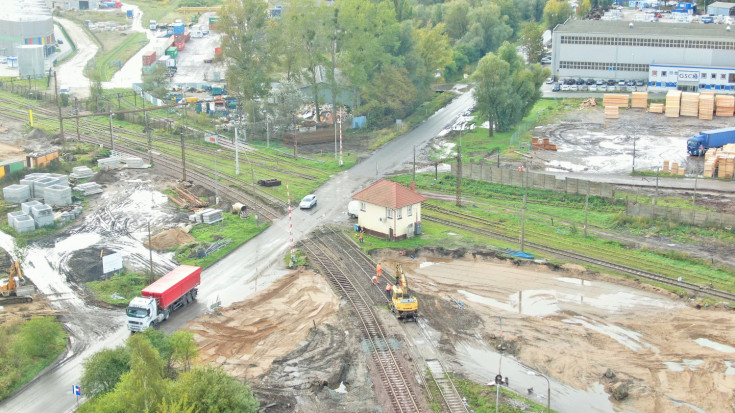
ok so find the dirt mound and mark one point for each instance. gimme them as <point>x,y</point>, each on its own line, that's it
<point>169,239</point>
<point>246,342</point>
<point>201,191</point>
<point>37,134</point>
<point>86,265</point>
<point>105,177</point>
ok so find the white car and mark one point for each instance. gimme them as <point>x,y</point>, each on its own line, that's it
<point>593,88</point>
<point>308,202</point>
<point>564,88</point>
<point>549,80</point>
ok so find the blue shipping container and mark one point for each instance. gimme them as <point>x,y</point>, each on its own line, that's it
<point>179,28</point>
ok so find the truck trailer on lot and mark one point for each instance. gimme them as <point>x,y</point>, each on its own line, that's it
<point>169,293</point>
<point>716,138</point>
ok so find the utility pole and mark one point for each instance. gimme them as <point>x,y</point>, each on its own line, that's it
<point>655,200</point>
<point>61,120</point>
<point>150,251</point>
<point>459,176</point>
<point>112,141</point>
<point>334,83</point>
<point>523,218</point>
<point>413,177</point>
<point>586,207</point>
<point>216,178</point>
<point>267,132</point>
<point>76,110</point>
<point>237,153</point>
<point>183,158</point>
<point>634,139</point>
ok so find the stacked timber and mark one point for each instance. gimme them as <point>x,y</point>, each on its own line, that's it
<point>725,105</point>
<point>639,100</point>
<point>666,167</point>
<point>615,99</point>
<point>656,108</point>
<point>720,163</point>
<point>674,168</point>
<point>612,112</point>
<point>673,102</point>
<point>706,106</point>
<point>689,104</point>
<point>726,165</point>
<point>543,144</point>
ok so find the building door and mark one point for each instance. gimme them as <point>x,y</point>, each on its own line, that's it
<point>83,5</point>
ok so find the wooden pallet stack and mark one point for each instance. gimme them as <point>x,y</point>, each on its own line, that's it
<point>673,103</point>
<point>543,144</point>
<point>666,168</point>
<point>726,165</point>
<point>689,104</point>
<point>656,108</point>
<point>706,106</point>
<point>725,105</point>
<point>674,168</point>
<point>612,112</point>
<point>615,99</point>
<point>639,100</point>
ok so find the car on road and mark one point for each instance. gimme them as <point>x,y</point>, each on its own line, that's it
<point>308,202</point>
<point>546,60</point>
<point>549,80</point>
<point>556,87</point>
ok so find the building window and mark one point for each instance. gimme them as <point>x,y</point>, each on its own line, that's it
<point>663,73</point>
<point>722,76</point>
<point>713,76</point>
<point>389,213</point>
<point>400,213</point>
<point>731,78</point>
<point>409,210</point>
<point>363,207</point>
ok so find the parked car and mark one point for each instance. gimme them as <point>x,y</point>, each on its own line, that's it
<point>570,81</point>
<point>639,83</point>
<point>590,82</point>
<point>621,82</point>
<point>611,82</point>
<point>630,83</point>
<point>602,88</point>
<point>593,88</point>
<point>583,87</point>
<point>573,88</point>
<point>549,80</point>
<point>308,202</point>
<point>546,60</point>
<point>565,88</point>
<point>556,87</point>
<point>600,82</point>
<point>580,81</point>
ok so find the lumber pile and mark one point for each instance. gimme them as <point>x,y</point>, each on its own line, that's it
<point>673,102</point>
<point>639,100</point>
<point>726,165</point>
<point>689,104</point>
<point>674,168</point>
<point>666,168</point>
<point>720,163</point>
<point>725,105</point>
<point>543,144</point>
<point>612,112</point>
<point>615,99</point>
<point>588,103</point>
<point>656,108</point>
<point>706,106</point>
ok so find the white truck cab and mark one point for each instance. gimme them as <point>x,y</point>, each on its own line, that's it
<point>142,313</point>
<point>152,24</point>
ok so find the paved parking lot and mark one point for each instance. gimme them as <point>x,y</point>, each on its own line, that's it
<point>190,61</point>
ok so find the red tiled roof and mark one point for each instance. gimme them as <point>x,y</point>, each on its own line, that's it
<point>389,194</point>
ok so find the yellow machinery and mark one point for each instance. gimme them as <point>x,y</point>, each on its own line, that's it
<point>402,304</point>
<point>9,287</point>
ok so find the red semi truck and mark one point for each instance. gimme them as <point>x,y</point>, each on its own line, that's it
<point>170,292</point>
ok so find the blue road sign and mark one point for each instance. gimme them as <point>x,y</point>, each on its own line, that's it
<point>77,390</point>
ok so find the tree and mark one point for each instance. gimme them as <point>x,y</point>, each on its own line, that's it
<point>212,390</point>
<point>583,8</point>
<point>492,89</point>
<point>288,100</point>
<point>432,45</point>
<point>142,388</point>
<point>456,19</point>
<point>557,12</point>
<point>488,29</point>
<point>532,40</point>
<point>184,349</point>
<point>103,370</point>
<point>390,98</point>
<point>245,47</point>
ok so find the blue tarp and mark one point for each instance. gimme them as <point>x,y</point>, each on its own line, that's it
<point>359,122</point>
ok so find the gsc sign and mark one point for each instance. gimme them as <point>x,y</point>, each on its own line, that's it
<point>688,76</point>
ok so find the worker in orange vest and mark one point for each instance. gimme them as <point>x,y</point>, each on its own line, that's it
<point>379,269</point>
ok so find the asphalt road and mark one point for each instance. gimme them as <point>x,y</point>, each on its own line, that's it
<point>245,271</point>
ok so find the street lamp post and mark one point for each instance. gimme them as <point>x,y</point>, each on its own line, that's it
<point>548,391</point>
<point>216,178</point>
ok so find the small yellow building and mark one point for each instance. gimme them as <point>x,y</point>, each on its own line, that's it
<point>390,210</point>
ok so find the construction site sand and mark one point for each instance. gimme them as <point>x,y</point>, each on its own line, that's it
<point>661,330</point>
<point>246,337</point>
<point>170,238</point>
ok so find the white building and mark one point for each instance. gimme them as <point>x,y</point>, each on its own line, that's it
<point>390,210</point>
<point>628,51</point>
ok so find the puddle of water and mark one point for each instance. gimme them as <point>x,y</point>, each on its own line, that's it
<point>484,363</point>
<point>705,342</point>
<point>689,405</point>
<point>690,364</point>
<point>341,388</point>
<point>565,166</point>
<point>630,339</point>
<point>622,300</point>
<point>577,281</point>
<point>426,264</point>
<point>730,370</point>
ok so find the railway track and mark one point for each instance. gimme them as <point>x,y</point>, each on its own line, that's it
<point>489,229</point>
<point>363,267</point>
<point>391,372</point>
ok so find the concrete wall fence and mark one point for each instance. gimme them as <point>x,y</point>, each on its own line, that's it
<point>482,171</point>
<point>687,216</point>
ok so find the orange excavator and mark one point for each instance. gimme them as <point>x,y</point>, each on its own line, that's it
<point>11,290</point>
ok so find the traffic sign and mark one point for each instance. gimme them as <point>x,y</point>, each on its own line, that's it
<point>77,390</point>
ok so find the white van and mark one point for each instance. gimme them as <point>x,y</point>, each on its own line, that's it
<point>353,208</point>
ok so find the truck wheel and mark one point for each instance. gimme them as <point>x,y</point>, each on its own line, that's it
<point>166,313</point>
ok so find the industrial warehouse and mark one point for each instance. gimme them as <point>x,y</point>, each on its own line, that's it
<point>687,57</point>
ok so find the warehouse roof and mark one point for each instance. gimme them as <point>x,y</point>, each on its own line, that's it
<point>673,30</point>
<point>722,5</point>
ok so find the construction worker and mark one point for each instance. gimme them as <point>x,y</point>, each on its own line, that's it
<point>379,269</point>
<point>362,237</point>
<point>375,279</point>
<point>388,287</point>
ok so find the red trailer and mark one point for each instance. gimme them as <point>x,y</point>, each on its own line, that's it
<point>174,285</point>
<point>179,38</point>
<point>180,46</point>
<point>149,58</point>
